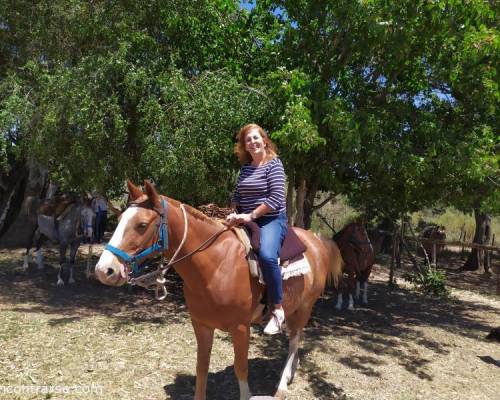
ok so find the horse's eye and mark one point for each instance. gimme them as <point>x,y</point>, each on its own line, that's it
<point>142,225</point>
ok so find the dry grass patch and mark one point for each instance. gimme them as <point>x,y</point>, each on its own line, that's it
<point>402,346</point>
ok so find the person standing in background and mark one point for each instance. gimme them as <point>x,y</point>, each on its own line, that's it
<point>100,206</point>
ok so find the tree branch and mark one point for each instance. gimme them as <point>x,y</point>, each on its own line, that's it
<point>323,203</point>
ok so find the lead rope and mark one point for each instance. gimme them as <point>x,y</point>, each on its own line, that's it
<point>182,241</point>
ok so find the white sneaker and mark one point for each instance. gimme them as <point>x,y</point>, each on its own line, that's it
<point>275,324</point>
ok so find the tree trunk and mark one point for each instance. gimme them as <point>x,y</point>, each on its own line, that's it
<point>481,236</point>
<point>312,189</point>
<point>289,199</point>
<point>25,185</point>
<point>299,203</point>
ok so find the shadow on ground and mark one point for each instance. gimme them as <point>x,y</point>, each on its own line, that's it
<point>389,326</point>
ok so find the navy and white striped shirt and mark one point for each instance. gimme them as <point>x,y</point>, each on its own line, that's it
<point>264,184</point>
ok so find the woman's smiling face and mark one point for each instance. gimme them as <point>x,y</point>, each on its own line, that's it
<point>254,143</point>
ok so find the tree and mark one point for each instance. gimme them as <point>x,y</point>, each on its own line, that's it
<point>102,91</point>
<point>379,75</point>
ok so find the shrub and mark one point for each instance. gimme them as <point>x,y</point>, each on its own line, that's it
<point>429,281</point>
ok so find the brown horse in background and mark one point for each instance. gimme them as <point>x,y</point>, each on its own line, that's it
<point>220,292</point>
<point>433,232</point>
<point>358,255</point>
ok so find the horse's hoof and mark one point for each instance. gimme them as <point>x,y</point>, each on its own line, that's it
<point>71,281</point>
<point>280,394</point>
<point>350,308</point>
<point>60,283</point>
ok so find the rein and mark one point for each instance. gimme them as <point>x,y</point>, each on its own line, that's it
<point>155,280</point>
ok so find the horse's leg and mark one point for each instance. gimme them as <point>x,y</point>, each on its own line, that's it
<point>241,340</point>
<point>291,364</point>
<point>38,250</point>
<point>350,307</point>
<point>62,260</point>
<point>338,306</point>
<point>72,256</point>
<point>204,340</point>
<point>358,289</point>
<point>366,275</point>
<point>365,292</point>
<point>295,324</point>
<point>26,260</point>
<point>351,279</point>
<point>88,272</point>
<point>29,244</point>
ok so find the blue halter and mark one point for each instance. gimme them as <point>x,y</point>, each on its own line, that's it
<point>160,246</point>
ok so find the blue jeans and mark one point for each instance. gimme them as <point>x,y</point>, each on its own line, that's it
<point>101,219</point>
<point>272,232</point>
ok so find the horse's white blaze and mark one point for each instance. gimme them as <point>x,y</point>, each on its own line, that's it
<point>108,258</point>
<point>87,215</point>
<point>291,362</point>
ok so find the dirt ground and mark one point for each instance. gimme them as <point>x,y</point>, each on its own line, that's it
<point>125,345</point>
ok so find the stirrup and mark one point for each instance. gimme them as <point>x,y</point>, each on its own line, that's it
<point>275,324</point>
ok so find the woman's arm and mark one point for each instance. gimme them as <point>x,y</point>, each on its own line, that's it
<point>276,181</point>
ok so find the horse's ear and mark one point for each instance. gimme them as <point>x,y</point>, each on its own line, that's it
<point>134,191</point>
<point>153,196</point>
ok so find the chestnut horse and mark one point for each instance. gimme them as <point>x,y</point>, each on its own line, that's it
<point>219,290</point>
<point>358,255</point>
<point>434,233</point>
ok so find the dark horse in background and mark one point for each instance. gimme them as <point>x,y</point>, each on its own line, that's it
<point>358,255</point>
<point>433,233</point>
<point>63,219</point>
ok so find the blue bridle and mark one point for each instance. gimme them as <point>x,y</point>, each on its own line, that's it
<point>160,246</point>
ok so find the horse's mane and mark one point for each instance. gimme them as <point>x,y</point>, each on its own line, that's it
<point>342,231</point>
<point>196,213</point>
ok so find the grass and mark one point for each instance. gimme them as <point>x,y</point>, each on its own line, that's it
<point>402,346</point>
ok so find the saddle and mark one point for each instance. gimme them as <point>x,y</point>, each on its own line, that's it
<point>291,248</point>
<point>56,206</point>
<point>292,259</point>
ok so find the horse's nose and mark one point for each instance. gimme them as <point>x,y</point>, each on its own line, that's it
<point>106,274</point>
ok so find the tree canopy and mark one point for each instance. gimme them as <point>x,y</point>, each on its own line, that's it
<point>394,104</point>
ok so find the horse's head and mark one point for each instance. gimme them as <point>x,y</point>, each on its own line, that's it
<point>137,229</point>
<point>87,217</point>
<point>355,235</point>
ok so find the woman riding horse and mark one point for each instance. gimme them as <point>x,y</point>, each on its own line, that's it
<point>260,197</point>
<point>220,293</point>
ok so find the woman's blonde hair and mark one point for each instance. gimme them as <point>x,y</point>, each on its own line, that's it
<point>239,148</point>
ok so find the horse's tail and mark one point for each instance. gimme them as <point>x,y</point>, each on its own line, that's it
<point>335,262</point>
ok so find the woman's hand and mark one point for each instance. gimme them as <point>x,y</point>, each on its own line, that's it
<point>237,219</point>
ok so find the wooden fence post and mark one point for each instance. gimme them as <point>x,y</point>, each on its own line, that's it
<point>488,255</point>
<point>434,254</point>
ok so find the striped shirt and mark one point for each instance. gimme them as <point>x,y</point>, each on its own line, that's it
<point>264,184</point>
